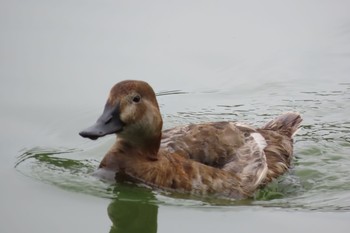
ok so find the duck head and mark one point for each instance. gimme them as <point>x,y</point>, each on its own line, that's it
<point>131,112</point>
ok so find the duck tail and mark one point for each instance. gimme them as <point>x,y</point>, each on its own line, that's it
<point>286,124</point>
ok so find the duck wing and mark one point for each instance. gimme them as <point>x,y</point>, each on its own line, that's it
<point>212,144</point>
<point>249,163</point>
<point>230,146</point>
<point>257,156</point>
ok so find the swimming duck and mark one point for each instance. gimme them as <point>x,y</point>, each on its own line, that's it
<point>222,159</point>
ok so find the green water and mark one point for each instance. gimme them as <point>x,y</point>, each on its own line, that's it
<point>208,61</point>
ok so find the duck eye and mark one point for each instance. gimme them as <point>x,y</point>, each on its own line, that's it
<point>136,99</point>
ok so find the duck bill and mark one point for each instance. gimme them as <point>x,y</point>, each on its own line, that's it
<point>108,123</point>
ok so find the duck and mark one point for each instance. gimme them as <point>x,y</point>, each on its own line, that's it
<point>220,159</point>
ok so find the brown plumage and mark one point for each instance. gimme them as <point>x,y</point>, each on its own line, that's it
<point>224,159</point>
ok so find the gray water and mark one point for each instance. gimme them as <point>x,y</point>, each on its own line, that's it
<point>208,61</point>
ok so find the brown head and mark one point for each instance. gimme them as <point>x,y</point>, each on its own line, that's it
<point>131,112</point>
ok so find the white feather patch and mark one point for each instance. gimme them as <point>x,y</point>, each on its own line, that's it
<point>296,131</point>
<point>105,174</point>
<point>239,124</point>
<point>260,140</point>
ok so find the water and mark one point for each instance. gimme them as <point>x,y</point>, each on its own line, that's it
<point>208,61</point>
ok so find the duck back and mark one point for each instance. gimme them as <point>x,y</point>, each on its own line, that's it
<point>259,155</point>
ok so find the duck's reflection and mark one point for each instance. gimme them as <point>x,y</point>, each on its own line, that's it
<point>133,211</point>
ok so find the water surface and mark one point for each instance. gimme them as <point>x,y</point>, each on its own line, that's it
<point>207,61</point>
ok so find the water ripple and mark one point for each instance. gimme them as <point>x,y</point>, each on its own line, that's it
<point>318,181</point>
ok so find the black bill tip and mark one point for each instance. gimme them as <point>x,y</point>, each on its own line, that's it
<point>89,135</point>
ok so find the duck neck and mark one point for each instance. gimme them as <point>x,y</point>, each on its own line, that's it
<point>144,136</point>
<point>151,147</point>
<point>144,147</point>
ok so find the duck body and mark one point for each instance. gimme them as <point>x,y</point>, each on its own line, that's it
<point>223,159</point>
